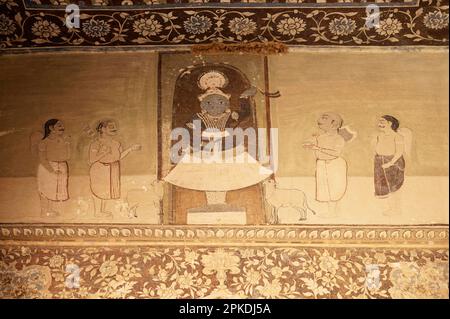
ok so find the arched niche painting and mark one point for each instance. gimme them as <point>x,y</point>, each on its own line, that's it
<point>211,99</point>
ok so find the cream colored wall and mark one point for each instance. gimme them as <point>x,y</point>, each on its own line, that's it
<point>361,86</point>
<point>77,88</point>
<point>86,87</point>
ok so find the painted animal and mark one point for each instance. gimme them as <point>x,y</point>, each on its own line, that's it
<point>282,197</point>
<point>153,197</point>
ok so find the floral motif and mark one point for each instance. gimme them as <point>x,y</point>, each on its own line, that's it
<point>109,268</point>
<point>191,257</point>
<point>168,292</point>
<point>96,28</point>
<point>291,26</point>
<point>253,277</point>
<point>6,25</point>
<point>342,26</point>
<point>276,272</point>
<point>162,275</point>
<point>128,272</point>
<point>389,27</point>
<point>118,289</point>
<point>8,3</point>
<point>419,25</point>
<point>270,289</point>
<point>25,251</point>
<point>197,24</point>
<point>436,20</point>
<point>31,282</point>
<point>328,263</point>
<point>242,26</point>
<point>100,2</point>
<point>185,280</point>
<point>220,261</point>
<point>163,272</point>
<point>316,289</point>
<point>409,280</point>
<point>147,27</point>
<point>56,261</point>
<point>247,253</point>
<point>380,258</point>
<point>45,29</point>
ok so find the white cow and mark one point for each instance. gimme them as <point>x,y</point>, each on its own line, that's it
<point>283,197</point>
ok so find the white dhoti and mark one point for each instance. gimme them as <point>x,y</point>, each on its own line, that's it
<point>194,172</point>
<point>53,186</point>
<point>331,179</point>
<point>105,180</point>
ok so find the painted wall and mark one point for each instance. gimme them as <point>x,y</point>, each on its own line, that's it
<point>362,86</point>
<point>80,89</point>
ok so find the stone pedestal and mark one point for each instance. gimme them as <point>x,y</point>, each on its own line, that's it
<point>217,217</point>
<point>217,211</point>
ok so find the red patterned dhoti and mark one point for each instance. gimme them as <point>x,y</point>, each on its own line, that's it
<point>388,180</point>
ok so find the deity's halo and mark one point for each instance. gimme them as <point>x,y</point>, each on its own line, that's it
<point>212,79</point>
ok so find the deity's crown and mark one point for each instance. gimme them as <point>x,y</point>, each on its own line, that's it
<point>212,79</point>
<point>201,97</point>
<point>212,82</point>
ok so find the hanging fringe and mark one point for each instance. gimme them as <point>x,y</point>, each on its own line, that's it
<point>263,48</point>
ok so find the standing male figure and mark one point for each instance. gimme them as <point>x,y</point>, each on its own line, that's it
<point>331,168</point>
<point>53,171</point>
<point>105,154</point>
<point>389,162</point>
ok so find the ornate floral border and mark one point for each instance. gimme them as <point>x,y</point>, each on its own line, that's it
<point>232,272</point>
<point>282,261</point>
<point>426,24</point>
<point>420,235</point>
<point>130,4</point>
